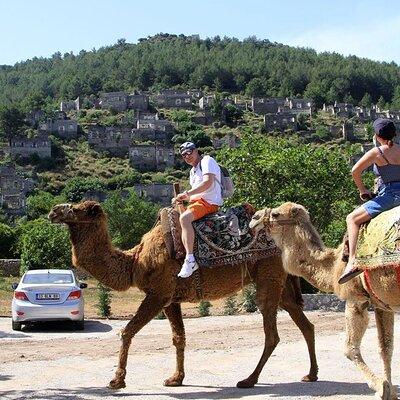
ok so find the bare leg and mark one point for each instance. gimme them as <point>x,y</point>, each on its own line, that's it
<point>186,220</point>
<point>269,290</point>
<point>148,309</point>
<point>354,220</point>
<point>384,324</point>
<point>356,324</point>
<point>174,315</point>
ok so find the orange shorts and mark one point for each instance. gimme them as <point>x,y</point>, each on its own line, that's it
<point>199,208</point>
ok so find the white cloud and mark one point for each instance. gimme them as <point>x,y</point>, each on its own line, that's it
<point>380,43</point>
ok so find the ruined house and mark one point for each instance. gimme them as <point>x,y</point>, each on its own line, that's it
<point>117,101</point>
<point>61,127</point>
<point>160,193</point>
<point>174,100</point>
<point>13,190</point>
<point>280,122</point>
<point>25,147</point>
<point>265,105</point>
<point>71,105</point>
<point>152,157</point>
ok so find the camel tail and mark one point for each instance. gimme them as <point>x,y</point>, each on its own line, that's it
<point>296,287</point>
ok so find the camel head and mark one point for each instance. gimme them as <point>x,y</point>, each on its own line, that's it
<point>288,214</point>
<point>85,212</point>
<point>260,220</point>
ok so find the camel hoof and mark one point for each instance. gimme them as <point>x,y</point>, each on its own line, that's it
<point>309,378</point>
<point>386,392</point>
<point>173,381</point>
<point>246,384</point>
<point>116,384</point>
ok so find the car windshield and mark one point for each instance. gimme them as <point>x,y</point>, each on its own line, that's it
<point>48,278</point>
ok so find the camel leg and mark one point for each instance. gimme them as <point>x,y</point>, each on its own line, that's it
<point>385,325</point>
<point>269,290</point>
<point>356,324</point>
<point>307,329</point>
<point>174,315</point>
<point>148,309</point>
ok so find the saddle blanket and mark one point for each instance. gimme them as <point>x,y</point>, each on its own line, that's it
<point>222,238</point>
<point>379,241</point>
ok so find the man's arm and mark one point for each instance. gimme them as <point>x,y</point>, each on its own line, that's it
<point>208,180</point>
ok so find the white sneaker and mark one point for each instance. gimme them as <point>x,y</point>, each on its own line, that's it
<point>188,268</point>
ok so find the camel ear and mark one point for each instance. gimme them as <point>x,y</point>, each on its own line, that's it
<point>294,211</point>
<point>94,210</point>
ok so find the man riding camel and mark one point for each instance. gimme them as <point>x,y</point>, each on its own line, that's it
<point>204,197</point>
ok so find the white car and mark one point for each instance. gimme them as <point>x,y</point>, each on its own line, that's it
<point>48,295</point>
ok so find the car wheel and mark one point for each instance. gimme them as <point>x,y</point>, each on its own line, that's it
<point>16,326</point>
<point>80,325</point>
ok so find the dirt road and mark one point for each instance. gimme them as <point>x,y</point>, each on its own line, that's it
<point>44,363</point>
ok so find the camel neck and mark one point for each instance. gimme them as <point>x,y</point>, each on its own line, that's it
<point>314,264</point>
<point>92,251</point>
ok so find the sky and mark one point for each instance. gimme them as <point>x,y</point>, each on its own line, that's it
<point>39,28</point>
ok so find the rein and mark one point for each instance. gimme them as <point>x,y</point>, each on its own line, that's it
<point>284,222</point>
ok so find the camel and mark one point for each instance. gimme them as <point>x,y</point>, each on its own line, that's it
<point>149,267</point>
<point>304,255</point>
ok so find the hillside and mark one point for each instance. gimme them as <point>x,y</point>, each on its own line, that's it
<point>252,66</point>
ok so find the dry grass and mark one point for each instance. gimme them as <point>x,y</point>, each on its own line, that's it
<point>123,304</point>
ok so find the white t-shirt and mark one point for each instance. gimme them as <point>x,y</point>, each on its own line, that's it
<point>208,166</point>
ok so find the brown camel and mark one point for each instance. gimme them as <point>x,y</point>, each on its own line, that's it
<point>304,254</point>
<point>149,267</point>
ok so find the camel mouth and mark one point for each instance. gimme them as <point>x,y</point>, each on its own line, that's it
<point>58,213</point>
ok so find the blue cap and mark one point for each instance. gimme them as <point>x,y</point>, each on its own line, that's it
<point>384,128</point>
<point>186,146</point>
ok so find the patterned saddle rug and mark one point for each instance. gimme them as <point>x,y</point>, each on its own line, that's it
<point>379,241</point>
<point>222,238</point>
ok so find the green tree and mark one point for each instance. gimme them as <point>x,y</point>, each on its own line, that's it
<point>40,204</point>
<point>75,188</point>
<point>34,101</point>
<point>396,98</point>
<point>233,114</point>
<point>280,170</point>
<point>11,122</point>
<point>366,101</point>
<point>45,245</point>
<point>128,218</point>
<point>381,103</point>
<point>216,106</point>
<point>7,241</point>
<point>255,88</point>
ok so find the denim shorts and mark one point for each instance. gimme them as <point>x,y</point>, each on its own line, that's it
<point>387,198</point>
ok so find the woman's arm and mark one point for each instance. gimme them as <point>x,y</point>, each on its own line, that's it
<point>361,165</point>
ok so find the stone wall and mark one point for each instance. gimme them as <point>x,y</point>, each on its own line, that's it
<point>322,302</point>
<point>10,267</point>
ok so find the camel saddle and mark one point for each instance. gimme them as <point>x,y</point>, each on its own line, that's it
<point>378,242</point>
<point>221,238</point>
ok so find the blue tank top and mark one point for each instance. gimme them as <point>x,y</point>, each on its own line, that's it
<point>389,172</point>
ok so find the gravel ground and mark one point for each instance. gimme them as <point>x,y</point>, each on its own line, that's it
<point>52,362</point>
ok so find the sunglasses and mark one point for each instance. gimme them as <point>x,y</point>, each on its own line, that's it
<point>187,153</point>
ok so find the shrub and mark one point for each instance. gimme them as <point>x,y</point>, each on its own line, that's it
<point>249,294</point>
<point>231,307</point>
<point>104,300</point>
<point>204,308</point>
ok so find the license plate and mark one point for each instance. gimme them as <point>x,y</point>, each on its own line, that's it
<point>48,296</point>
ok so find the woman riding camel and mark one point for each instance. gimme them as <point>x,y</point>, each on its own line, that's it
<point>386,165</point>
